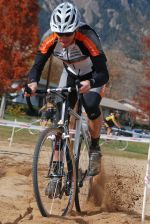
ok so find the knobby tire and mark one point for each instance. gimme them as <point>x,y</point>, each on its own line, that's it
<point>56,206</point>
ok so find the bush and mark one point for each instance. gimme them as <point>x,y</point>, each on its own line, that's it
<point>16,109</point>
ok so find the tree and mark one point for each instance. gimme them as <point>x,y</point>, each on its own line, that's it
<point>116,80</point>
<point>18,40</point>
<point>143,96</point>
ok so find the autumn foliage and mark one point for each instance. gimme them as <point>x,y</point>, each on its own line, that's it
<point>18,39</point>
<point>144,93</point>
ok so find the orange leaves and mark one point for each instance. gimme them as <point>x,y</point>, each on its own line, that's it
<point>18,39</point>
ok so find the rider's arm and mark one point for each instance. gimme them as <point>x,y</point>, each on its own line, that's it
<point>44,52</point>
<point>37,68</point>
<point>100,75</point>
<point>33,86</point>
<point>91,45</point>
<point>116,123</point>
<point>98,58</point>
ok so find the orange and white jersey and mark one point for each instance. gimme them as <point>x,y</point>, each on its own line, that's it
<point>84,56</point>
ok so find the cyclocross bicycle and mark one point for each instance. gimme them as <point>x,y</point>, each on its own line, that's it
<point>72,149</point>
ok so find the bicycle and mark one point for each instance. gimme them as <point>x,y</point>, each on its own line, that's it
<point>73,158</point>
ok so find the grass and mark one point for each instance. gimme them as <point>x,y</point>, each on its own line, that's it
<point>134,150</point>
<point>22,137</point>
<point>136,147</point>
<point>22,118</point>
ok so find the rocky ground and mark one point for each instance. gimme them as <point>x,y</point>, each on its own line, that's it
<point>116,195</point>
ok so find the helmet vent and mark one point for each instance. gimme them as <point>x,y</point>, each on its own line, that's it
<point>73,18</point>
<point>67,18</point>
<point>67,11</point>
<point>77,22</point>
<point>58,19</point>
<point>54,20</point>
<point>65,27</point>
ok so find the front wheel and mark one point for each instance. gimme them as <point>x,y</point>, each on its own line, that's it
<point>83,181</point>
<point>42,173</point>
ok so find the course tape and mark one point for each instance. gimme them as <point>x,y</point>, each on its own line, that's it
<point>130,139</point>
<point>24,125</point>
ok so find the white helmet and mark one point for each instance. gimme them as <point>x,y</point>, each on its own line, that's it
<point>65,18</point>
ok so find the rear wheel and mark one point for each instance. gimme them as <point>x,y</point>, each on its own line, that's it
<point>83,182</point>
<point>121,145</point>
<point>43,168</point>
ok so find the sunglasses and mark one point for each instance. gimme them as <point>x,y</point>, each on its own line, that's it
<point>65,34</point>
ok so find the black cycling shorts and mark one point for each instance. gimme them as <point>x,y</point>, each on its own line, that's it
<point>91,100</point>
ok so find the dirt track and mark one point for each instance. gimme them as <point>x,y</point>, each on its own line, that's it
<point>116,195</point>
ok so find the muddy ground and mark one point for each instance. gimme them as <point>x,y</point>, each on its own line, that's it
<point>116,195</point>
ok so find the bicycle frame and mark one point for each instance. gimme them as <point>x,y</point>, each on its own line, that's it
<point>79,129</point>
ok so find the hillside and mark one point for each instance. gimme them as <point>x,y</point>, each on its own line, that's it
<point>126,75</point>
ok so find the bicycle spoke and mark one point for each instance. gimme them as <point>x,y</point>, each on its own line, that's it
<point>43,179</point>
<point>82,193</point>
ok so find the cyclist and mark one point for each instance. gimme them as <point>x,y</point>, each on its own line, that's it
<point>79,48</point>
<point>112,120</point>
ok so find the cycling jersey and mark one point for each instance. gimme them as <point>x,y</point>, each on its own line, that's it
<point>84,56</point>
<point>110,120</point>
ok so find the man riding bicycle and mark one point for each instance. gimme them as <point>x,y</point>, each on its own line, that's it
<point>79,48</point>
<point>112,120</point>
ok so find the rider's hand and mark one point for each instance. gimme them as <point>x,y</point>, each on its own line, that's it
<point>86,86</point>
<point>33,86</point>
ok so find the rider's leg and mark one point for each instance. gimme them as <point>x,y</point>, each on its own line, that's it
<point>95,127</point>
<point>91,103</point>
<point>109,131</point>
<point>95,151</point>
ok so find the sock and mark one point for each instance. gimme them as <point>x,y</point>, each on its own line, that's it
<point>95,141</point>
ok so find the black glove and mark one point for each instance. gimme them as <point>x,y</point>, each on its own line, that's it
<point>27,89</point>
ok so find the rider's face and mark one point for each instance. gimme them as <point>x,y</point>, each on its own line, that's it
<point>66,39</point>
